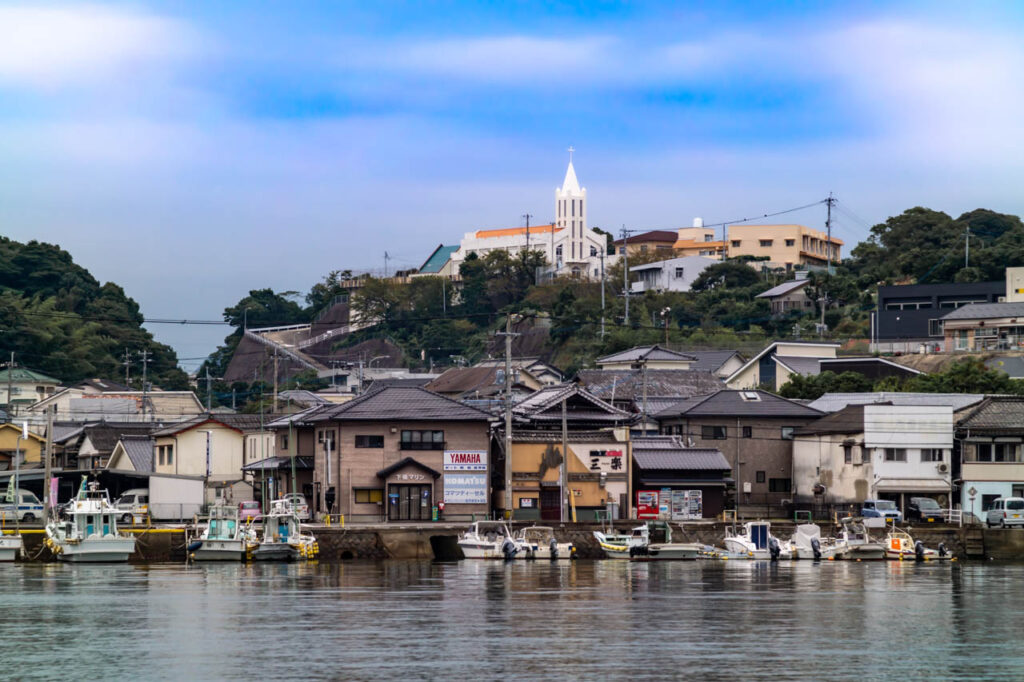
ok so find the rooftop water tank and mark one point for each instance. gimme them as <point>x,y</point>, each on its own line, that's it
<point>698,222</point>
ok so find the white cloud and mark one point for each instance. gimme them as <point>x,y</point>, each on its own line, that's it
<point>47,48</point>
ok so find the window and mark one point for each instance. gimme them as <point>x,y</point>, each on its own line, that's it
<point>790,242</point>
<point>713,432</point>
<point>160,455</point>
<point>865,455</point>
<point>369,495</point>
<point>284,441</point>
<point>848,454</point>
<point>895,455</point>
<point>787,432</point>
<point>709,237</point>
<point>735,243</point>
<point>996,452</point>
<point>748,431</point>
<point>766,243</point>
<point>643,248</point>
<point>931,455</point>
<point>759,477</point>
<point>369,441</point>
<point>165,454</point>
<point>987,500</point>
<point>934,327</point>
<point>679,273</point>
<point>750,395</point>
<point>422,440</point>
<point>778,485</point>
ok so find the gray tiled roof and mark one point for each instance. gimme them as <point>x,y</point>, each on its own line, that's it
<point>667,452</point>
<point>1003,414</point>
<point>729,403</point>
<point>641,353</point>
<point>584,405</point>
<point>832,402</point>
<point>629,383</point>
<point>242,422</point>
<point>783,288</point>
<point>850,419</point>
<point>105,436</point>
<point>983,311</point>
<point>801,365</point>
<point>407,403</point>
<point>710,360</point>
<point>140,451</point>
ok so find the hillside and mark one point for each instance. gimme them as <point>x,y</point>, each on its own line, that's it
<point>59,320</point>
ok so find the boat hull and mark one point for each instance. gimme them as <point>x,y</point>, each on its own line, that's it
<point>910,555</point>
<point>866,552</point>
<point>220,550</point>
<point>670,552</point>
<point>105,550</point>
<point>481,550</point>
<point>10,545</point>
<point>275,551</point>
<point>543,552</point>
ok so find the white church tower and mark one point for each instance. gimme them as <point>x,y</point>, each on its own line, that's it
<point>571,212</point>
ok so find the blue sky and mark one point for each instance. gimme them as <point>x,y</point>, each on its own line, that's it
<point>193,151</point>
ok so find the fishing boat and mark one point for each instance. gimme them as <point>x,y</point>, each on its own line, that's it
<point>756,542</point>
<point>90,533</point>
<point>224,537</point>
<point>539,542</point>
<point>807,543</point>
<point>617,545</point>
<point>282,538</point>
<point>637,546</point>
<point>900,546</point>
<point>860,546</point>
<point>489,540</point>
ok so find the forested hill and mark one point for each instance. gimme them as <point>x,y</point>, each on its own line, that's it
<point>59,320</point>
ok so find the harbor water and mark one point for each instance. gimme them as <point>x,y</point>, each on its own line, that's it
<point>522,620</point>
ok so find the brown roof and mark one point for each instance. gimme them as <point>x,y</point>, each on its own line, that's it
<point>399,403</point>
<point>459,380</point>
<point>669,236</point>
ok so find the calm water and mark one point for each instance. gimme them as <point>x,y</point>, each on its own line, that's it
<point>488,620</point>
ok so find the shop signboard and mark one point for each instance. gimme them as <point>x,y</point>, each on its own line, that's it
<point>465,460</point>
<point>465,488</point>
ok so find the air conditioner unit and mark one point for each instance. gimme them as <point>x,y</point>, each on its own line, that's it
<point>942,468</point>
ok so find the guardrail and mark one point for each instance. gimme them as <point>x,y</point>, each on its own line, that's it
<point>953,516</point>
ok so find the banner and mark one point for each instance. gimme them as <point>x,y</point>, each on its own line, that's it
<point>465,460</point>
<point>465,488</point>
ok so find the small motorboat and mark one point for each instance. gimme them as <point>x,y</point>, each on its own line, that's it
<point>282,538</point>
<point>637,546</point>
<point>807,543</point>
<point>617,545</point>
<point>90,534</point>
<point>900,546</point>
<point>756,542</point>
<point>489,540</point>
<point>10,544</point>
<point>224,537</point>
<point>539,542</point>
<point>859,545</point>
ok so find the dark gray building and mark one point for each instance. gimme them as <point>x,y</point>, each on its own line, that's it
<point>910,314</point>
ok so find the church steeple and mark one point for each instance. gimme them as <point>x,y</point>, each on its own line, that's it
<point>571,213</point>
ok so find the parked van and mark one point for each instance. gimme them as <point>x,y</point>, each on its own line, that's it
<point>133,505</point>
<point>29,507</point>
<point>1006,511</point>
<point>884,509</point>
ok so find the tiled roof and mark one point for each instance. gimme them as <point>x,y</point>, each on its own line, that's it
<point>20,374</point>
<point>1003,414</point>
<point>103,385</point>
<point>850,419</point>
<point>459,380</point>
<point>710,360</point>
<point>240,422</point>
<point>832,402</point>
<point>669,236</point>
<point>645,353</point>
<point>984,311</point>
<point>581,405</point>
<point>140,451</point>
<point>801,365</point>
<point>783,288</point>
<point>629,383</point>
<point>302,397</point>
<point>408,403</point>
<point>105,436</point>
<point>730,403</point>
<point>668,452</point>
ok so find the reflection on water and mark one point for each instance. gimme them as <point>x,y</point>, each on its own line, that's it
<point>488,619</point>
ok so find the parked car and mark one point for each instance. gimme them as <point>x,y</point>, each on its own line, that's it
<point>1006,511</point>
<point>133,504</point>
<point>249,511</point>
<point>925,509</point>
<point>29,507</point>
<point>884,509</point>
<point>298,505</point>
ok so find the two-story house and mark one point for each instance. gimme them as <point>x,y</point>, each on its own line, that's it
<point>753,429</point>
<point>992,466</point>
<point>394,453</point>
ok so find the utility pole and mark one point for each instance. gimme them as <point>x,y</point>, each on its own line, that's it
<point>274,404</point>
<point>127,368</point>
<point>508,413</point>
<point>527,216</point>
<point>625,271</point>
<point>208,390</point>
<point>664,316</point>
<point>386,258</point>
<point>144,354</point>
<point>828,227</point>
<point>602,291</point>
<point>48,502</point>
<point>967,247</point>
<point>10,387</point>
<point>564,469</point>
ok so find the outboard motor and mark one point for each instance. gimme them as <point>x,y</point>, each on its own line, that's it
<point>773,549</point>
<point>919,551</point>
<point>554,548</point>
<point>942,550</point>
<point>509,549</point>
<point>816,548</point>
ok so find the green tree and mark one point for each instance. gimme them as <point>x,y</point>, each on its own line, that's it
<point>728,275</point>
<point>969,375</point>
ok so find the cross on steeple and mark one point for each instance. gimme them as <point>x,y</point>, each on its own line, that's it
<point>571,150</point>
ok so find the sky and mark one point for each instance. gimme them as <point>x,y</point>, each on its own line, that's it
<point>192,151</point>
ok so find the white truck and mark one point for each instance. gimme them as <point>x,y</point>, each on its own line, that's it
<point>168,498</point>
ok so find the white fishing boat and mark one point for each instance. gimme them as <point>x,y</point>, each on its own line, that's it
<point>489,540</point>
<point>224,537</point>
<point>756,542</point>
<point>900,546</point>
<point>282,538</point>
<point>617,545</point>
<point>10,545</point>
<point>637,546</point>
<point>807,543</point>
<point>90,533</point>
<point>860,546</point>
<point>539,542</point>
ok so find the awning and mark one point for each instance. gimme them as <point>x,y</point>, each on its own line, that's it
<point>911,485</point>
<point>276,463</point>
